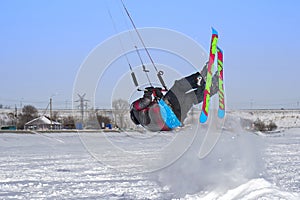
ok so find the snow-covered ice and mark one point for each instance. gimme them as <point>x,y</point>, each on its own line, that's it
<point>60,166</point>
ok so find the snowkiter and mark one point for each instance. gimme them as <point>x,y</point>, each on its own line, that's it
<point>158,112</point>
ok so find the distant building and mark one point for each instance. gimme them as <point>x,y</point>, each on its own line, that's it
<point>42,123</point>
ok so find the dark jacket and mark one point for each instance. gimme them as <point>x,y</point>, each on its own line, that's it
<point>146,111</point>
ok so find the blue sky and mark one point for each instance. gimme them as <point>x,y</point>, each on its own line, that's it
<point>43,44</point>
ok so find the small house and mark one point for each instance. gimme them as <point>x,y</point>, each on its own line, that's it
<point>42,123</point>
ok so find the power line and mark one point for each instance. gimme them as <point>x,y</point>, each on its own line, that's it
<point>159,73</point>
<point>81,101</point>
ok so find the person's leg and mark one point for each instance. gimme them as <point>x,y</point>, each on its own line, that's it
<point>187,102</point>
<point>187,83</point>
<point>178,98</point>
<point>196,96</point>
<point>199,92</point>
<point>175,97</point>
<point>190,82</point>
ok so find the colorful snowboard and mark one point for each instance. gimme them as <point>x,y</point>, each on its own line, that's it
<point>221,111</point>
<point>210,69</point>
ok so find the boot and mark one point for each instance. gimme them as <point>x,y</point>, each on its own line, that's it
<point>204,71</point>
<point>199,92</point>
<point>215,84</point>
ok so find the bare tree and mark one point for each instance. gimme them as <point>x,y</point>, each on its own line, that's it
<point>120,107</point>
<point>29,112</point>
<point>12,118</point>
<point>68,122</point>
<point>55,116</point>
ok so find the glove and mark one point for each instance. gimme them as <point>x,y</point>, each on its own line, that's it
<point>148,91</point>
<point>158,92</point>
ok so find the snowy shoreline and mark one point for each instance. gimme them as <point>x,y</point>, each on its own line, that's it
<point>284,119</point>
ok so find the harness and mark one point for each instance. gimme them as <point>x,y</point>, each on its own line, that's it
<point>165,110</point>
<point>168,115</point>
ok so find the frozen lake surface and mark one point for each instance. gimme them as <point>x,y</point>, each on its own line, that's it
<point>60,166</point>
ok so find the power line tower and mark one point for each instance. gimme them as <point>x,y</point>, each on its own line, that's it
<point>81,101</point>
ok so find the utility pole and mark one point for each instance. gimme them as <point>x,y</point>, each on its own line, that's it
<point>81,101</point>
<point>50,113</point>
<point>21,103</point>
<point>16,115</point>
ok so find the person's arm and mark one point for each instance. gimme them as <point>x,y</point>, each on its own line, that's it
<point>143,102</point>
